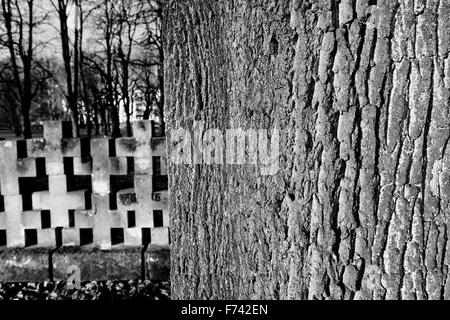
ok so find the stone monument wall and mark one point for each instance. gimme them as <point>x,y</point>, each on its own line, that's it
<point>59,191</point>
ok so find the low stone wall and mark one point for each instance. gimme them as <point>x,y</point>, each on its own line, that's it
<point>99,195</point>
<point>33,265</point>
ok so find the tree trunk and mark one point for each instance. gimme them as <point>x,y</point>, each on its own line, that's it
<point>359,208</point>
<point>26,99</point>
<point>27,133</point>
<point>71,81</point>
<point>128,122</point>
<point>104,120</point>
<point>115,121</point>
<point>16,122</point>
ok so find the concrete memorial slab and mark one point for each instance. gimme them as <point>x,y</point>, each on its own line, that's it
<point>59,191</point>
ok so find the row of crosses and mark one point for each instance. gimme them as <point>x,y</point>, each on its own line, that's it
<point>72,211</point>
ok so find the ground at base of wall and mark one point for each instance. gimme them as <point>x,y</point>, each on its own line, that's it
<point>133,290</point>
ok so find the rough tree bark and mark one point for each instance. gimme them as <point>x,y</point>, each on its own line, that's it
<point>360,206</point>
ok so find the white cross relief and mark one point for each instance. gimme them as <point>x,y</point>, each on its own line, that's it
<point>53,147</point>
<point>142,200</point>
<point>102,169</point>
<point>11,169</point>
<point>58,201</point>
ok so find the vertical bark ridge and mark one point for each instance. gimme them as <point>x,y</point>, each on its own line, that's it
<point>359,208</point>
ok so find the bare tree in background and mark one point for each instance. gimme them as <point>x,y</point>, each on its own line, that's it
<point>108,25</point>
<point>152,46</point>
<point>128,55</point>
<point>70,57</point>
<point>8,100</point>
<point>128,17</point>
<point>100,79</point>
<point>96,91</point>
<point>19,22</point>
